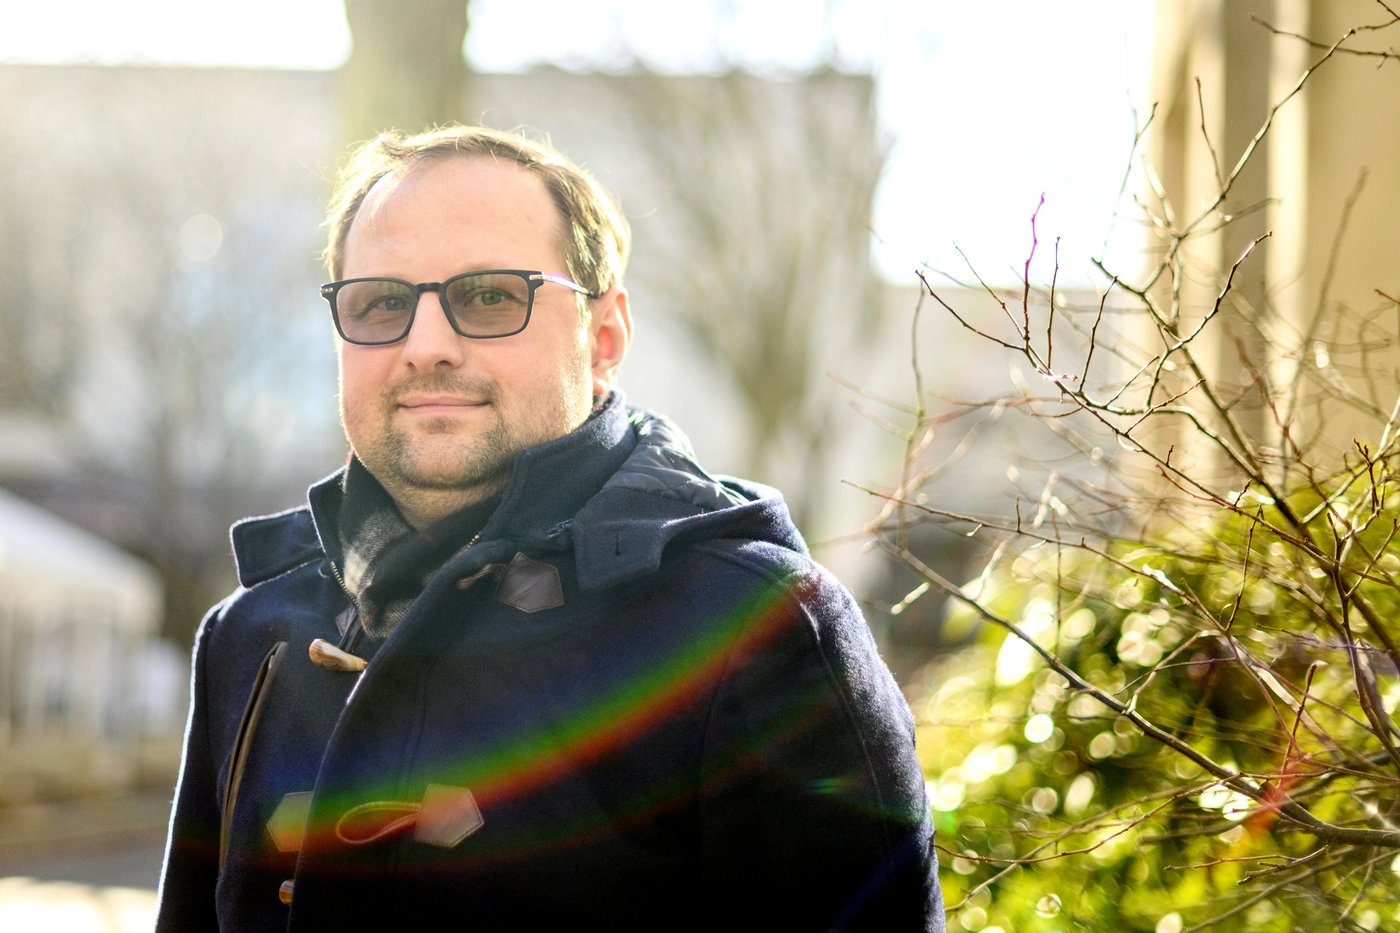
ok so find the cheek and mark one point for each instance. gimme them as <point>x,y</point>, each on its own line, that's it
<point>573,360</point>
<point>361,380</point>
<point>560,355</point>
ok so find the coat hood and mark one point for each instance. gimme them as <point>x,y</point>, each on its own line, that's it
<point>661,494</point>
<point>617,490</point>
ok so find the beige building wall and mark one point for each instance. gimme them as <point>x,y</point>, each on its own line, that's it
<point>1294,310</point>
<point>1354,125</point>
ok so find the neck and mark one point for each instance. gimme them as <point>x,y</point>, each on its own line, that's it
<point>422,507</point>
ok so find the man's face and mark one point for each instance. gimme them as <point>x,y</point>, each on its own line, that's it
<point>438,413</point>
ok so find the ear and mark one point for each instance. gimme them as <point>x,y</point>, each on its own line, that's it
<point>609,335</point>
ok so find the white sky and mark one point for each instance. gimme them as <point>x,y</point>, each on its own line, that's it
<point>988,105</point>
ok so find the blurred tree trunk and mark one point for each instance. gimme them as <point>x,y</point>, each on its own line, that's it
<point>406,69</point>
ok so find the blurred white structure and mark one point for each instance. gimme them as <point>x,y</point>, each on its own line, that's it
<point>81,680</point>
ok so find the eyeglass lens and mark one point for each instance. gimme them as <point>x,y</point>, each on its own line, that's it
<point>380,310</point>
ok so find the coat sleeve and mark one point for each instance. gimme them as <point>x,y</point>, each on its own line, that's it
<point>813,812</point>
<point>191,870</point>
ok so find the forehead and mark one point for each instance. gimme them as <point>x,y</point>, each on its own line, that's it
<point>472,210</point>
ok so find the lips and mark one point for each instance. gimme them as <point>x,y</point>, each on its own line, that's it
<point>439,404</point>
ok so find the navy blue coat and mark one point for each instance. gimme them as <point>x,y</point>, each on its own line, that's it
<point>702,736</point>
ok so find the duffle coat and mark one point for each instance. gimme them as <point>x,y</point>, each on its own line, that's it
<point>675,720</point>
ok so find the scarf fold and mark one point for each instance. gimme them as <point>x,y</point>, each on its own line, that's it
<point>386,562</point>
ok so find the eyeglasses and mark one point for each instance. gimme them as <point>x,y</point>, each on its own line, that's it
<point>491,303</point>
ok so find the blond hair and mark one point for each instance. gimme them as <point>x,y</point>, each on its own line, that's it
<point>595,236</point>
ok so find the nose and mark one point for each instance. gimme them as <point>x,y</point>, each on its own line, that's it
<point>431,342</point>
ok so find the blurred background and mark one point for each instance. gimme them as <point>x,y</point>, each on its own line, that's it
<point>166,364</point>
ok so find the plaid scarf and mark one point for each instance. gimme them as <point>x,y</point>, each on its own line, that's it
<point>386,563</point>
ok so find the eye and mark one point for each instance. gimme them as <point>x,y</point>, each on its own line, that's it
<point>490,296</point>
<point>392,303</point>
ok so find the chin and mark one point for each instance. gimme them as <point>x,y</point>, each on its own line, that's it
<point>449,462</point>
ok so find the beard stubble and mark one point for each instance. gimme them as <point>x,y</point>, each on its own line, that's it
<point>484,460</point>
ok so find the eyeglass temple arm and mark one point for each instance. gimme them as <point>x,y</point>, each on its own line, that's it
<point>560,280</point>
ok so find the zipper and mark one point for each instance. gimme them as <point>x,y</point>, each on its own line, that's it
<point>335,571</point>
<point>352,631</point>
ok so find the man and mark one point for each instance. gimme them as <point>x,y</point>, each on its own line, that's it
<point>522,664</point>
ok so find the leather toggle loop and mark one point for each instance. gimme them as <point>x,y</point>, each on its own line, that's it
<point>287,825</point>
<point>375,820</point>
<point>530,585</point>
<point>446,816</point>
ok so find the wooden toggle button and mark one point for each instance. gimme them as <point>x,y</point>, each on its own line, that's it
<point>327,655</point>
<point>490,570</point>
<point>284,893</point>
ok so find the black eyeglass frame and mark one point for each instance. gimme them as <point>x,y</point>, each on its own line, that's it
<point>533,280</point>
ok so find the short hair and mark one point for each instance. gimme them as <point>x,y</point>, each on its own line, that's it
<point>595,237</point>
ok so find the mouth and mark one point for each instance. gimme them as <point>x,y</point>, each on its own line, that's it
<point>439,405</point>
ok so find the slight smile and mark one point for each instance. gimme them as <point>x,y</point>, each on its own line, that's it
<point>438,405</point>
